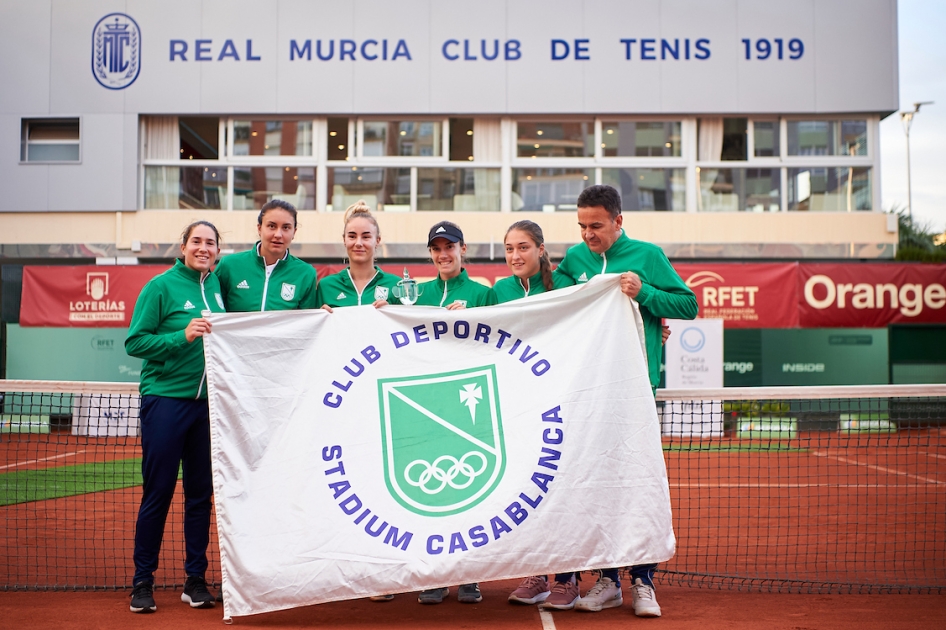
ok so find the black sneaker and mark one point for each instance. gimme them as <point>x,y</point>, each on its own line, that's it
<point>142,598</point>
<point>196,593</point>
<point>469,594</point>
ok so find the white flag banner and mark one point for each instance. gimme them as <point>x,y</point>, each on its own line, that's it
<point>372,451</point>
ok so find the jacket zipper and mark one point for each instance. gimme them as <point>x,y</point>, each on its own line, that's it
<point>356,286</point>
<point>266,284</point>
<point>203,376</point>
<point>444,298</point>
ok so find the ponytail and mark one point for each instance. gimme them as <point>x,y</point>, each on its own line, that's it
<point>360,209</point>
<point>545,267</point>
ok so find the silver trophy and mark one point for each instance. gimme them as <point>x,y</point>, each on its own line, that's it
<point>407,290</point>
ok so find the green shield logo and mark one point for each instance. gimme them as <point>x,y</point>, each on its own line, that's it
<point>442,439</point>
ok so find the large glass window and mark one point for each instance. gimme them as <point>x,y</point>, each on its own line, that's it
<point>185,187</point>
<point>648,188</point>
<point>254,186</point>
<point>722,139</point>
<point>461,139</point>
<point>338,138</point>
<point>272,137</point>
<point>739,190</point>
<point>556,139</point>
<point>50,140</point>
<point>199,137</point>
<point>381,188</point>
<point>460,189</point>
<point>408,138</point>
<point>620,139</point>
<point>765,136</point>
<point>549,189</point>
<point>829,189</point>
<point>827,137</point>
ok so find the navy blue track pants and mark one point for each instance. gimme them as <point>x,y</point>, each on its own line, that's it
<point>175,433</point>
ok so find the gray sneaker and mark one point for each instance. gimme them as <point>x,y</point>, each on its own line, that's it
<point>469,594</point>
<point>433,595</point>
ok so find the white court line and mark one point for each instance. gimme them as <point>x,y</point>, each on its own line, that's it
<point>36,461</point>
<point>546,617</point>
<point>880,468</point>
<point>935,455</point>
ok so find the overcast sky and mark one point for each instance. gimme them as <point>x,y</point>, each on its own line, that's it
<point>922,35</point>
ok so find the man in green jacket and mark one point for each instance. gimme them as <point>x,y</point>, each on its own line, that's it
<point>648,278</point>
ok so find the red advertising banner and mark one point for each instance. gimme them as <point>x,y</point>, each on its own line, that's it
<point>870,295</point>
<point>744,295</point>
<point>92,296</point>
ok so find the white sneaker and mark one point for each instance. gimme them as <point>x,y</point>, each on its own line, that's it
<point>645,600</point>
<point>604,594</point>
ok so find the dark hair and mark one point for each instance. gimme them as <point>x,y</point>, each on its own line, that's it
<point>186,234</point>
<point>360,210</point>
<point>282,205</point>
<point>601,195</point>
<point>535,233</point>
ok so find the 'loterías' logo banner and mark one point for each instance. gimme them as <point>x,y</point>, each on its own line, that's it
<point>82,297</point>
<point>370,451</point>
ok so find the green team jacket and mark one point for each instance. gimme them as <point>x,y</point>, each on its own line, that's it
<point>172,367</point>
<point>662,294</point>
<point>509,289</point>
<point>338,290</point>
<point>246,288</point>
<point>462,289</point>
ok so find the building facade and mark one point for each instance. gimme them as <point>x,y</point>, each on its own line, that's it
<point>734,129</point>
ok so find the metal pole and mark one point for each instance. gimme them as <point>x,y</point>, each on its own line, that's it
<point>909,180</point>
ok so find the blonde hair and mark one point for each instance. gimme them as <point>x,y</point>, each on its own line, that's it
<point>360,210</point>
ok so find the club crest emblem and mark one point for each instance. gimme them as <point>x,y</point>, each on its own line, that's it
<point>380,293</point>
<point>220,301</point>
<point>116,51</point>
<point>442,437</point>
<point>288,291</point>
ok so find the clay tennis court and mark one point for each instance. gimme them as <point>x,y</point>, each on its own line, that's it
<point>749,516</point>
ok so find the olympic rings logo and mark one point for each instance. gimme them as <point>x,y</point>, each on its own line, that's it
<point>445,476</point>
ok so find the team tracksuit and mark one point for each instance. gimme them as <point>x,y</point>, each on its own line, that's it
<point>509,289</point>
<point>175,424</point>
<point>338,289</point>
<point>459,289</point>
<point>663,294</point>
<point>247,287</point>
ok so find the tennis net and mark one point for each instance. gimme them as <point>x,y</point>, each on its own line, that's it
<point>829,489</point>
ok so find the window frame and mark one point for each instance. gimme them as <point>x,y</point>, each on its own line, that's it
<point>25,142</point>
<point>401,160</point>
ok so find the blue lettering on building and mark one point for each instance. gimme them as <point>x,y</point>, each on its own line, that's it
<point>349,50</point>
<point>203,50</point>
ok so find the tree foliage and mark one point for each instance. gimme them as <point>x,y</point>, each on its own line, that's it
<point>916,240</point>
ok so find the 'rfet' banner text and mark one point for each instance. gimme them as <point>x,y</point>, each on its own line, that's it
<point>372,451</point>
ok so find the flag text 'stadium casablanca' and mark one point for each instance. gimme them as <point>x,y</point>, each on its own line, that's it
<point>442,439</point>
